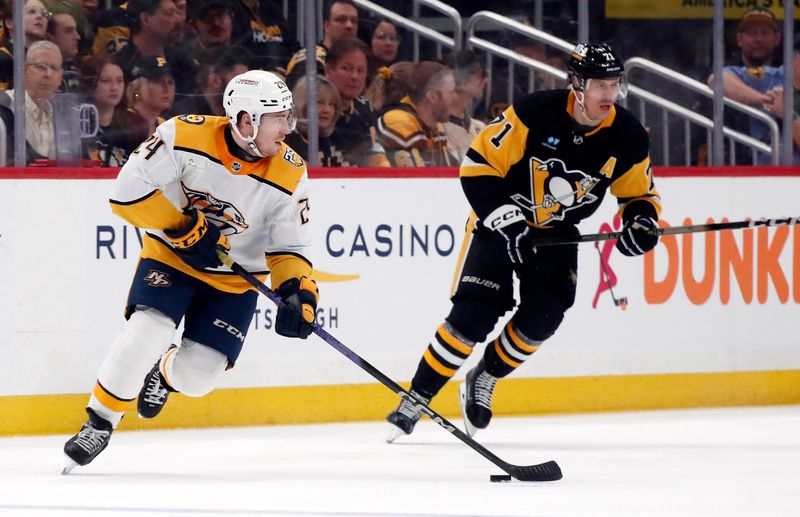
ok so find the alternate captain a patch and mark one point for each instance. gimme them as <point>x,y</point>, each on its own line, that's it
<point>555,190</point>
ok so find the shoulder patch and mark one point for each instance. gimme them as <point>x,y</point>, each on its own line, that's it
<point>283,171</point>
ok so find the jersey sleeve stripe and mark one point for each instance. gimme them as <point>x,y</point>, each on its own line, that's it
<point>133,202</point>
<point>199,153</point>
<point>271,184</point>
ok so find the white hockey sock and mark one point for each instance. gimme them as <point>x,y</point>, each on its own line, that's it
<point>193,368</point>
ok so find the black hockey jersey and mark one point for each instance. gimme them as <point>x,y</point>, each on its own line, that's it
<point>535,156</point>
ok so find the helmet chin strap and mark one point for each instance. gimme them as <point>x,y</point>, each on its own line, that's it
<point>251,141</point>
<point>579,98</point>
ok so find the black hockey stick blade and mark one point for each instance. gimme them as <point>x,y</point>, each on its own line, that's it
<point>548,471</point>
<point>672,230</point>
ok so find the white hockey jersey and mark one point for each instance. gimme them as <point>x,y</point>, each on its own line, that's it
<point>261,207</point>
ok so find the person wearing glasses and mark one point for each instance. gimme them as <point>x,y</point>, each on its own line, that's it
<point>35,17</point>
<point>384,44</point>
<point>42,78</point>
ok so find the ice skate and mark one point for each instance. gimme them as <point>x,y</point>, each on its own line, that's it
<point>154,394</point>
<point>93,437</point>
<point>405,417</point>
<point>475,394</point>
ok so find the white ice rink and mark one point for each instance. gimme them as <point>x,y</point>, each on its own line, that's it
<point>720,462</point>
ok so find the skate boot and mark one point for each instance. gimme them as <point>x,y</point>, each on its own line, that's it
<point>475,395</point>
<point>405,417</point>
<point>93,437</point>
<point>154,394</point>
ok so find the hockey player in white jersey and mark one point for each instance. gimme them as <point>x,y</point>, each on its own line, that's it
<point>201,184</point>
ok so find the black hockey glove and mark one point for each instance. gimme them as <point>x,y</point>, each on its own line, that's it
<point>197,242</point>
<point>299,311</point>
<point>636,237</point>
<point>509,222</point>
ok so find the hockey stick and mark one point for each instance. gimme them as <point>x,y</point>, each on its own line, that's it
<point>673,230</point>
<point>548,471</point>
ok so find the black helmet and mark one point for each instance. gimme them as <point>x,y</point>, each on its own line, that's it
<point>593,61</point>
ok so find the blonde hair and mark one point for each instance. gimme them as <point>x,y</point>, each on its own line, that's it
<point>390,84</point>
<point>300,97</point>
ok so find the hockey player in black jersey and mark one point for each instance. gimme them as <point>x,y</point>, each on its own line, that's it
<point>537,170</point>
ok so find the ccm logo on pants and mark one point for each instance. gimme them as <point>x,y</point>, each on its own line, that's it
<point>230,328</point>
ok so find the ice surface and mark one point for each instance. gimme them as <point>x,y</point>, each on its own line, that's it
<point>716,462</point>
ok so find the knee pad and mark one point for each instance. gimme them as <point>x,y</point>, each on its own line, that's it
<point>193,368</point>
<point>474,318</point>
<point>145,336</point>
<point>539,325</point>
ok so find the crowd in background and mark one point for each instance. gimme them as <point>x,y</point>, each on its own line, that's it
<point>146,60</point>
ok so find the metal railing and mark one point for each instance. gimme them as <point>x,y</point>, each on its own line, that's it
<point>419,29</point>
<point>644,97</point>
<point>449,12</point>
<point>772,149</point>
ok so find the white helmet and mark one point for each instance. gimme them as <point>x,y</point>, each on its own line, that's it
<point>257,92</point>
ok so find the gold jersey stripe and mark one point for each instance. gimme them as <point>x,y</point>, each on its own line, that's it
<point>284,267</point>
<point>637,183</point>
<point>230,283</point>
<point>465,244</point>
<point>152,211</point>
<point>501,144</point>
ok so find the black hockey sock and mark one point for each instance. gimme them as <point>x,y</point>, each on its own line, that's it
<point>508,351</point>
<point>441,360</point>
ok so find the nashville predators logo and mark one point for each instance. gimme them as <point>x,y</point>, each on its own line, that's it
<point>555,190</point>
<point>227,217</point>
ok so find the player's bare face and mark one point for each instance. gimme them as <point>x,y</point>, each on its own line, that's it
<point>272,131</point>
<point>599,97</point>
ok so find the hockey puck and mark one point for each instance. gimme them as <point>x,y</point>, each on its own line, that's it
<point>499,478</point>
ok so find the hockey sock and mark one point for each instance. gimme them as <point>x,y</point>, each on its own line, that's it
<point>108,405</point>
<point>193,368</point>
<point>508,351</point>
<point>442,358</point>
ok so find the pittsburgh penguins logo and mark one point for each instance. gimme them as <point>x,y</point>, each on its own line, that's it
<point>227,217</point>
<point>555,190</point>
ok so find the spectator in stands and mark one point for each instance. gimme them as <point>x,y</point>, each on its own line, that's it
<point>112,30</point>
<point>42,79</point>
<point>340,20</point>
<point>212,21</point>
<point>150,92</point>
<point>329,109</point>
<point>260,27</point>
<point>413,132</point>
<point>470,78</point>
<point>750,83</point>
<point>62,29</point>
<point>213,78</point>
<point>346,68</point>
<point>35,17</point>
<point>104,84</point>
<point>152,26</point>
<point>385,44</point>
<point>389,85</point>
<point>774,104</point>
